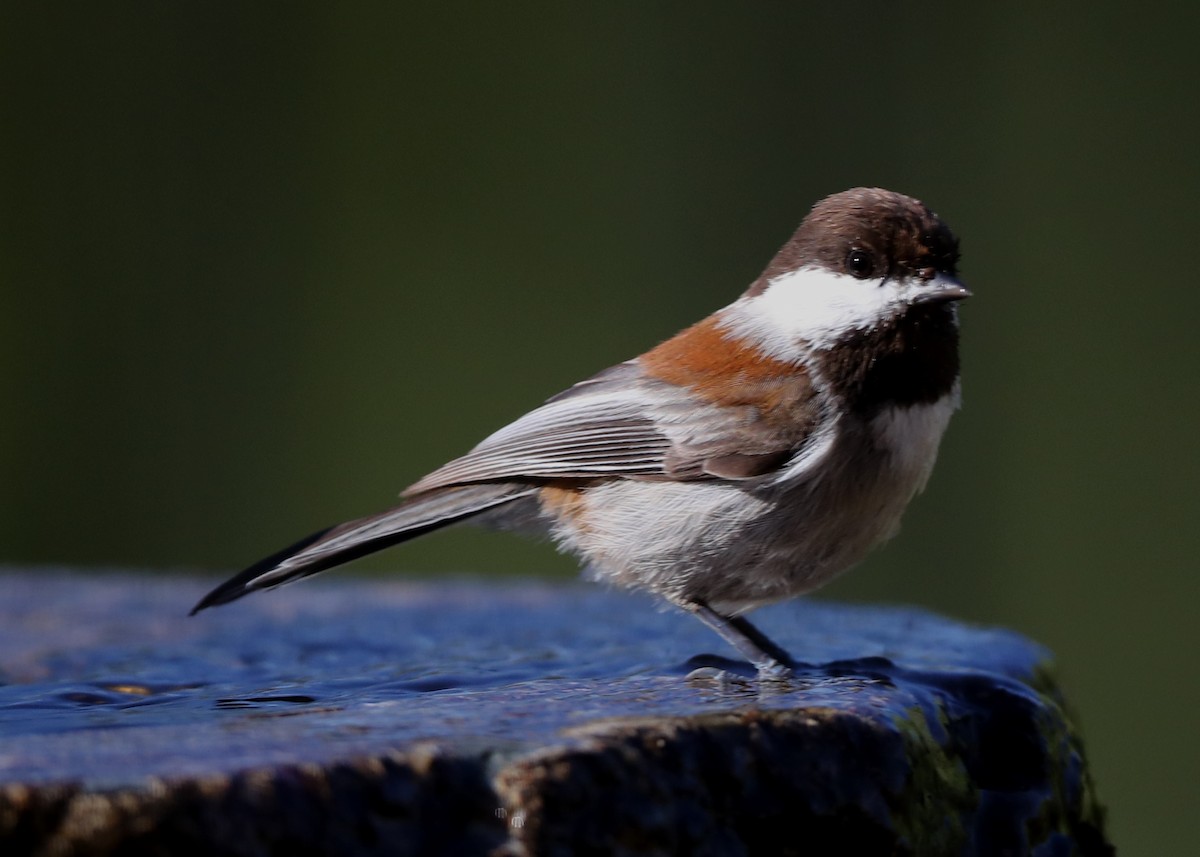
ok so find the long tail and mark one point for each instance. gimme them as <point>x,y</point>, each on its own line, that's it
<point>344,542</point>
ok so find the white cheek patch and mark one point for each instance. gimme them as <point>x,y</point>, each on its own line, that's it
<point>812,308</point>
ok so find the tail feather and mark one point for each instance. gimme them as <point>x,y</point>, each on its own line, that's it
<point>344,542</point>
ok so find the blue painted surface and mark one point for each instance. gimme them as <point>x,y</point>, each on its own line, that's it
<point>105,680</point>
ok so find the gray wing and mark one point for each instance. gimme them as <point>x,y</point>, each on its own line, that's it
<point>622,423</point>
<point>602,426</point>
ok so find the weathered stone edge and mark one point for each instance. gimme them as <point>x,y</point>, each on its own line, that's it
<point>708,784</point>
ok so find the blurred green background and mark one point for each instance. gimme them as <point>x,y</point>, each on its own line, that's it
<point>261,265</point>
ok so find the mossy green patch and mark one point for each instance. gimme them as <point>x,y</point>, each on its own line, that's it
<point>938,795</point>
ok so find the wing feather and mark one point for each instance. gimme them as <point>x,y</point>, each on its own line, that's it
<point>623,423</point>
<point>600,430</point>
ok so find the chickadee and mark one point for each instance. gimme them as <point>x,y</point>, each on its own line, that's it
<point>747,460</point>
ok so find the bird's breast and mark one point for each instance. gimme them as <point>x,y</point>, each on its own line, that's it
<point>741,544</point>
<point>909,436</point>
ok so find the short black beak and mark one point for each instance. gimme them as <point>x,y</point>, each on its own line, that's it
<point>940,289</point>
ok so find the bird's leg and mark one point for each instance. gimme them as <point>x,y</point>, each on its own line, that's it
<point>765,643</point>
<point>753,644</point>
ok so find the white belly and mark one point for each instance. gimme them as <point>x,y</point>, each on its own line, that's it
<point>739,545</point>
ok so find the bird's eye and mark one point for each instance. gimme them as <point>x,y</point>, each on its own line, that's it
<point>860,264</point>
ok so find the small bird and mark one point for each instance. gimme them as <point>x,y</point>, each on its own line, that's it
<point>747,460</point>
